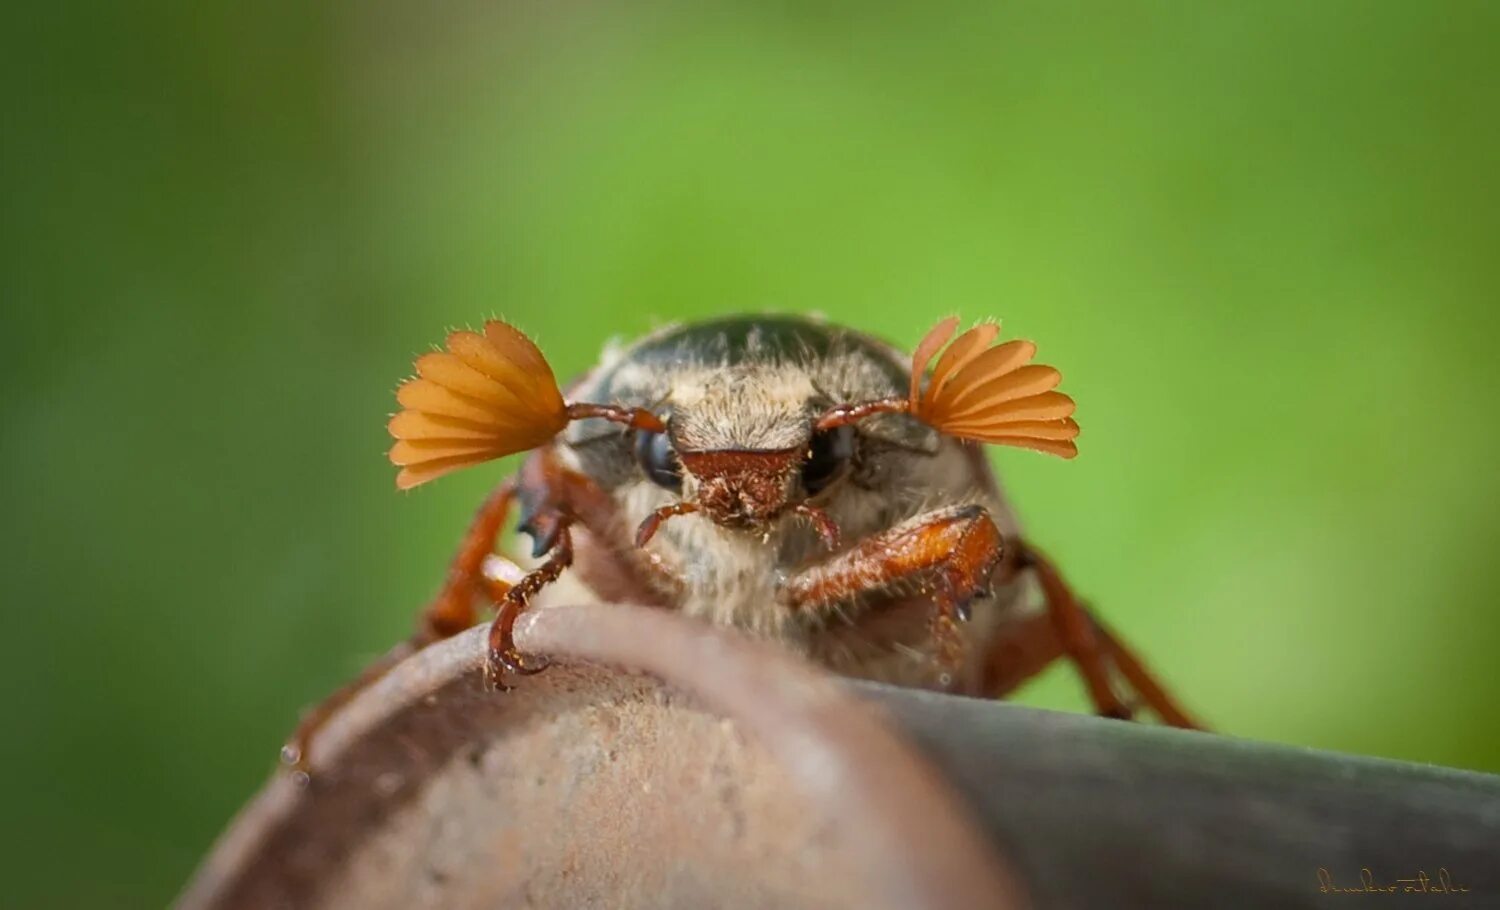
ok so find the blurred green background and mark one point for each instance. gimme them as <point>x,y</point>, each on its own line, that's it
<point>1258,239</point>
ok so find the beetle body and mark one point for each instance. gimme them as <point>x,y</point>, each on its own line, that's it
<point>801,481</point>
<point>741,396</point>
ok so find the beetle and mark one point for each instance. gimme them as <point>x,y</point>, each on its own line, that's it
<point>801,481</point>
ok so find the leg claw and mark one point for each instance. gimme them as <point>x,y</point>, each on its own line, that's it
<point>513,663</point>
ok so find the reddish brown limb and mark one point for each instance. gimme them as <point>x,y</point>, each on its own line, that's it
<point>1145,683</point>
<point>839,415</point>
<point>827,528</point>
<point>453,610</point>
<point>648,528</point>
<point>503,655</point>
<point>1095,652</point>
<point>616,571</point>
<point>554,498</point>
<point>1020,649</point>
<point>1076,633</point>
<point>951,553</point>
<point>449,613</point>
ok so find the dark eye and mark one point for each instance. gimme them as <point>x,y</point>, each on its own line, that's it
<point>827,454</point>
<point>658,460</point>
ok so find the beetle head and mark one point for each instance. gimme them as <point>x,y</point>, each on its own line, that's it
<point>740,448</point>
<point>741,436</point>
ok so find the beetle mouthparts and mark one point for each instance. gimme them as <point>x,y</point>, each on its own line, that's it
<point>742,488</point>
<point>648,528</point>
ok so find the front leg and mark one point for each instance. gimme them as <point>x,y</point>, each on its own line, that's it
<point>948,554</point>
<point>503,656</point>
<point>450,612</point>
<point>554,500</point>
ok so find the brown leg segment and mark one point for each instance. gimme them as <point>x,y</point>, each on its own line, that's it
<point>953,551</point>
<point>1079,636</point>
<point>503,656</point>
<point>1075,631</point>
<point>1151,691</point>
<point>553,492</point>
<point>1020,650</point>
<point>554,498</point>
<point>452,611</point>
<point>449,613</point>
<point>950,552</point>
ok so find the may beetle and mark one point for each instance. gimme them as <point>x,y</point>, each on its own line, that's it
<point>798,480</point>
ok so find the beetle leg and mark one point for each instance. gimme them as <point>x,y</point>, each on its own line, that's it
<point>1091,647</point>
<point>449,613</point>
<point>1075,633</point>
<point>612,569</point>
<point>1144,683</point>
<point>1020,649</point>
<point>503,656</point>
<point>453,609</point>
<point>951,553</point>
<point>555,498</point>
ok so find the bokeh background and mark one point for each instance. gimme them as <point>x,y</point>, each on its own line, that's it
<point>1259,239</point>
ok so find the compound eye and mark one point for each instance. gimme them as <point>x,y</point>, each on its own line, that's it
<point>657,458</point>
<point>827,454</point>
